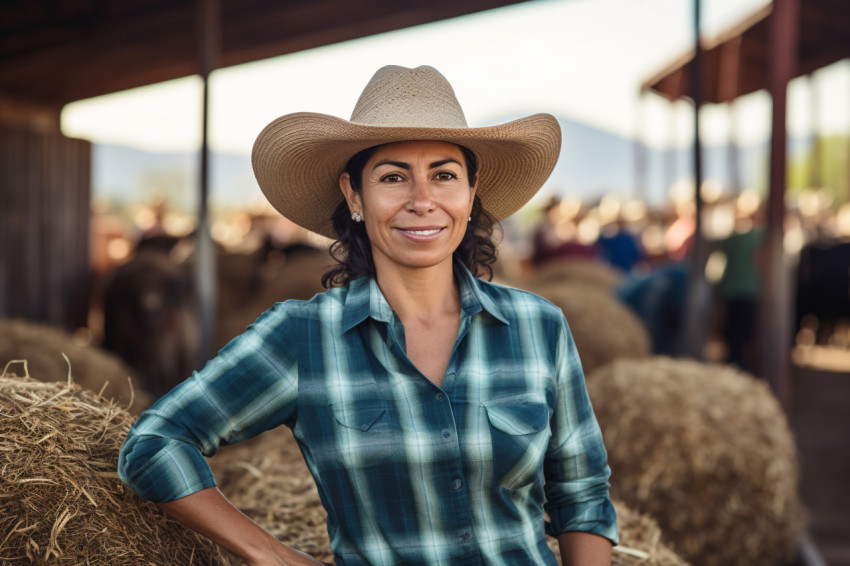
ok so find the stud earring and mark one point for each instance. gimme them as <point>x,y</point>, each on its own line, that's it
<point>356,217</point>
<point>469,219</point>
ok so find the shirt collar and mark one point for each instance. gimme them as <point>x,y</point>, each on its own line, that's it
<point>364,299</point>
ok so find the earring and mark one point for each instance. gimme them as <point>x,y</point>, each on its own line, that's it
<point>469,219</point>
<point>356,217</point>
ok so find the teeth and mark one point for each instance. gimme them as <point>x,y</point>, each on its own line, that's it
<point>422,232</point>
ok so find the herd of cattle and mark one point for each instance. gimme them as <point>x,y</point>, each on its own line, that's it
<point>149,305</point>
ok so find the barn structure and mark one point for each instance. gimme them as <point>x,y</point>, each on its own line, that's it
<point>53,52</point>
<point>780,41</point>
<point>783,40</point>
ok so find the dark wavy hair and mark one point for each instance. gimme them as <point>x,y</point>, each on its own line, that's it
<point>353,252</point>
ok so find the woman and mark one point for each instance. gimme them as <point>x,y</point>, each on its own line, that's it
<point>441,416</point>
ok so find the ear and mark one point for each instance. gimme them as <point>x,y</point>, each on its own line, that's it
<point>352,197</point>
<point>472,190</point>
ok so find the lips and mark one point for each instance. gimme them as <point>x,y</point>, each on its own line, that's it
<point>428,232</point>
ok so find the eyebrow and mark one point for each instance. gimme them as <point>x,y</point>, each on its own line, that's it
<point>406,166</point>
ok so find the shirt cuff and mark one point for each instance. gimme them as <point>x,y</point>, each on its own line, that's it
<point>162,470</point>
<point>598,517</point>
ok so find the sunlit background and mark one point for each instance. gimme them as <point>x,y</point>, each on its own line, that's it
<point>581,60</point>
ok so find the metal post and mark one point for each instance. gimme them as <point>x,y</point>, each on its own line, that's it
<point>775,307</point>
<point>209,22</point>
<point>641,181</point>
<point>695,320</point>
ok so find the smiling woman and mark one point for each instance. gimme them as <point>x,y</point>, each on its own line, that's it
<point>416,201</point>
<point>443,417</point>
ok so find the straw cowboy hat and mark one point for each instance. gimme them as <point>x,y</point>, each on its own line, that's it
<point>298,158</point>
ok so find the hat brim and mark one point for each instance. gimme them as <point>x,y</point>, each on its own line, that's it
<point>298,159</point>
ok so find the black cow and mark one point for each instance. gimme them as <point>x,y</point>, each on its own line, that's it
<point>150,321</point>
<point>823,286</point>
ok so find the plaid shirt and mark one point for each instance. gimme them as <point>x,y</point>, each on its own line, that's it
<point>409,473</point>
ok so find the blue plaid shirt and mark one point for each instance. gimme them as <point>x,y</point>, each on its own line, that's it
<point>409,473</point>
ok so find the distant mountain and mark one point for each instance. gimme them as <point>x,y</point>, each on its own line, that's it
<point>592,162</point>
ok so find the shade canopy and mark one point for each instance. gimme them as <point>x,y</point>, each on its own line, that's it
<point>57,51</point>
<point>736,63</point>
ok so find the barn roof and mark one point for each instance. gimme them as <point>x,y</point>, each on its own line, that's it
<point>57,51</point>
<point>735,62</point>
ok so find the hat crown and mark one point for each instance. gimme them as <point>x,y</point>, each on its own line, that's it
<point>401,97</point>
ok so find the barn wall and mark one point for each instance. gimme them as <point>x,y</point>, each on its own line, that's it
<point>45,193</point>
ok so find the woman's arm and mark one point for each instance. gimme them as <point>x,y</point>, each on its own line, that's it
<point>209,513</point>
<point>584,549</point>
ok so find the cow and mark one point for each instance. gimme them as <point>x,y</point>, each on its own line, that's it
<point>150,319</point>
<point>823,287</point>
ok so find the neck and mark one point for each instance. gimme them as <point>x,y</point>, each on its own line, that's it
<point>420,292</point>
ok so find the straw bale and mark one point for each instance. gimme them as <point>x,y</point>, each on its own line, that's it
<point>298,276</point>
<point>706,451</point>
<point>266,478</point>
<point>42,346</point>
<point>61,501</point>
<point>576,271</point>
<point>604,328</point>
<point>641,541</point>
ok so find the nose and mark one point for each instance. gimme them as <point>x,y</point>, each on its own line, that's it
<point>421,196</point>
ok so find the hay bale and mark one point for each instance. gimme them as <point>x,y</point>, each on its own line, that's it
<point>61,501</point>
<point>604,328</point>
<point>298,276</point>
<point>641,541</point>
<point>577,271</point>
<point>93,368</point>
<point>707,452</point>
<point>266,478</point>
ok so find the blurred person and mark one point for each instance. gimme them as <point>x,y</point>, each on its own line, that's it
<point>739,288</point>
<point>620,247</point>
<point>679,237</point>
<point>549,241</point>
<point>658,296</point>
<point>443,417</point>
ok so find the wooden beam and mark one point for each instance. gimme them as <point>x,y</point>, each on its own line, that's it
<point>775,307</point>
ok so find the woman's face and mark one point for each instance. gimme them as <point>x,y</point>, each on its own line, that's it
<point>416,199</point>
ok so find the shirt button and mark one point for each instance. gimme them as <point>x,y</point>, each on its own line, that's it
<point>439,396</point>
<point>457,484</point>
<point>465,536</point>
<point>447,434</point>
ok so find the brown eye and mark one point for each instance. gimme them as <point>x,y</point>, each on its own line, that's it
<point>391,178</point>
<point>445,176</point>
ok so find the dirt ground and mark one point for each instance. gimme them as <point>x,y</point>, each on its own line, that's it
<point>820,418</point>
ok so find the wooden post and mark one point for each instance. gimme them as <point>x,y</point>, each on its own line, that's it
<point>775,307</point>
<point>209,27</point>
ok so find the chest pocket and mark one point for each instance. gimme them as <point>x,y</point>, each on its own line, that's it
<point>363,433</point>
<point>519,433</point>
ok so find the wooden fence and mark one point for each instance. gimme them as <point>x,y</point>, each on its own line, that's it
<point>45,195</point>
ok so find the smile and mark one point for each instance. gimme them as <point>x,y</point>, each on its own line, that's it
<point>423,232</point>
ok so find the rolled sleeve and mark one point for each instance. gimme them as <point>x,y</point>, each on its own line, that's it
<point>162,470</point>
<point>576,467</point>
<point>250,387</point>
